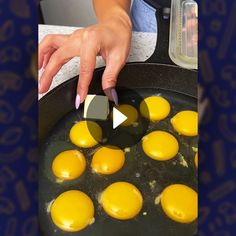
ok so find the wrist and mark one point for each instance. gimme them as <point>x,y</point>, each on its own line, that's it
<point>117,15</point>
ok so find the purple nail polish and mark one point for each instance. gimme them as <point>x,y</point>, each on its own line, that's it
<point>114,96</point>
<point>77,101</point>
<point>44,65</point>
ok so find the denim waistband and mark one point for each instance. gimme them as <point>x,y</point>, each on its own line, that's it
<point>143,17</point>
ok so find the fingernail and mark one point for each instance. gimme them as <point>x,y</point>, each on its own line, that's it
<point>77,101</point>
<point>114,96</point>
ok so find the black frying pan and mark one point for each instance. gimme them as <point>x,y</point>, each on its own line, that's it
<point>56,113</point>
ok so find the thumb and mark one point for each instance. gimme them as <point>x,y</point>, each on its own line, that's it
<point>109,78</point>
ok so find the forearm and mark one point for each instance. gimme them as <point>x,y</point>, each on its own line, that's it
<point>106,9</point>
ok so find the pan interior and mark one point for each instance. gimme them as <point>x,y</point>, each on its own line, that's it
<point>150,176</point>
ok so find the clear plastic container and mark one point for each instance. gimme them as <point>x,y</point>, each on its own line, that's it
<point>183,43</point>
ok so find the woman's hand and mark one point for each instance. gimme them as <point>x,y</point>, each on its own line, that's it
<point>110,39</point>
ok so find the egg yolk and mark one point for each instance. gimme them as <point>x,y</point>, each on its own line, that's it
<point>72,211</point>
<point>86,134</point>
<point>108,160</point>
<point>155,108</point>
<point>196,160</point>
<point>130,112</point>
<point>121,200</point>
<point>180,203</point>
<point>186,123</point>
<point>160,145</point>
<point>69,165</point>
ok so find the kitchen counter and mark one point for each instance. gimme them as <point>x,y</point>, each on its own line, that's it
<point>142,47</point>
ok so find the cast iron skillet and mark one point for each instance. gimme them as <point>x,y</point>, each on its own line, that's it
<point>56,109</point>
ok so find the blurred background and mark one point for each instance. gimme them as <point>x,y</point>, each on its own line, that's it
<point>67,12</point>
<point>217,142</point>
<point>18,118</point>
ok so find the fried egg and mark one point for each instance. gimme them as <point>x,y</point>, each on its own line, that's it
<point>72,211</point>
<point>180,203</point>
<point>155,108</point>
<point>108,160</point>
<point>86,134</point>
<point>69,165</point>
<point>160,145</point>
<point>121,200</point>
<point>186,123</point>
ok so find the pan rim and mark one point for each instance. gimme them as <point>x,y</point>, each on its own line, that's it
<point>41,100</point>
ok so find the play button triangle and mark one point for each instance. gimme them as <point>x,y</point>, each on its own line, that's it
<point>118,118</point>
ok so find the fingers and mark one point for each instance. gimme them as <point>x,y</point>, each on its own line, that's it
<point>47,57</point>
<point>114,64</point>
<point>49,43</point>
<point>87,65</point>
<point>56,61</point>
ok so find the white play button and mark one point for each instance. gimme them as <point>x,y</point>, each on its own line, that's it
<point>118,118</point>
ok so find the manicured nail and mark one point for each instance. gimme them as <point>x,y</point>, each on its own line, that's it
<point>114,96</point>
<point>44,65</point>
<point>77,101</point>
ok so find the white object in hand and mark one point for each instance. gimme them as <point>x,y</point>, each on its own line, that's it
<point>96,107</point>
